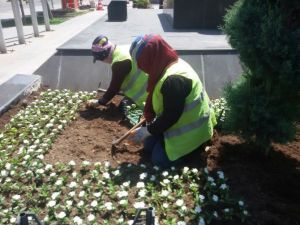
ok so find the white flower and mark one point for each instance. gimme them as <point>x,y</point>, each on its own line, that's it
<point>41,157</point>
<point>165,205</point>
<point>201,198</point>
<point>156,168</point>
<point>122,194</point>
<point>86,163</point>
<point>106,175</point>
<point>165,173</point>
<point>142,193</point>
<point>61,215</point>
<point>74,174</point>
<point>152,178</point>
<point>181,223</point>
<point>108,205</point>
<point>245,212</point>
<point>4,173</point>
<point>138,205</point>
<point>55,195</point>
<point>97,194</point>
<point>48,167</point>
<point>13,220</point>
<point>185,169</point>
<point>140,185</point>
<point>40,171</point>
<point>73,184</point>
<point>223,186</point>
<point>215,198</point>
<point>91,218</point>
<point>210,179</point>
<point>52,174</point>
<point>129,165</point>
<point>120,220</point>
<point>72,163</point>
<point>59,182</point>
<point>241,203</point>
<point>123,202</point>
<point>194,170</point>
<point>207,148</point>
<point>51,204</point>
<point>107,164</point>
<point>85,182</point>
<point>16,197</point>
<point>80,203</point>
<point>221,174</point>
<point>206,170</point>
<point>116,172</point>
<point>26,157</point>
<point>166,181</point>
<point>215,214</point>
<point>77,220</point>
<point>69,202</point>
<point>143,176</point>
<point>179,202</point>
<point>164,193</point>
<point>94,203</point>
<point>143,165</point>
<point>176,177</point>
<point>198,209</point>
<point>8,166</point>
<point>126,184</point>
<point>201,221</point>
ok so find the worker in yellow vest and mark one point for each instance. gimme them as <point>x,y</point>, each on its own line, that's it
<point>178,112</point>
<point>125,74</point>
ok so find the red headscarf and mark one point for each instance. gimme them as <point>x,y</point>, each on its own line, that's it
<point>155,57</point>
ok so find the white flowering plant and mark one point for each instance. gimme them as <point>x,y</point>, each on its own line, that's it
<point>97,193</point>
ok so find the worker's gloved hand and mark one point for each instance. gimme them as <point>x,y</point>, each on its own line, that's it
<point>92,103</point>
<point>138,135</point>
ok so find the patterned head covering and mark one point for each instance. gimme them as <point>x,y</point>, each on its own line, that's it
<point>153,55</point>
<point>102,49</point>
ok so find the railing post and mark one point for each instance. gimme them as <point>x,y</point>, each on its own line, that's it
<point>18,21</point>
<point>2,41</point>
<point>46,15</point>
<point>34,18</point>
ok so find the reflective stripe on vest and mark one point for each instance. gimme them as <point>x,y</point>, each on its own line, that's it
<point>187,127</point>
<point>194,103</point>
<point>140,93</point>
<point>132,81</point>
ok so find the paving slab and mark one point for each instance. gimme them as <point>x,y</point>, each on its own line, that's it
<point>16,88</point>
<point>146,21</point>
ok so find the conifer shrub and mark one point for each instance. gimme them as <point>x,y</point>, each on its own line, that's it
<point>264,105</point>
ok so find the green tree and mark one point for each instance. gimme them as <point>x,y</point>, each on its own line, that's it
<point>264,105</point>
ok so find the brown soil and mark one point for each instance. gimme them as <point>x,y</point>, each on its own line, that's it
<point>269,185</point>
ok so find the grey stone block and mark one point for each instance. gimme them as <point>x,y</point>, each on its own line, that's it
<point>16,88</point>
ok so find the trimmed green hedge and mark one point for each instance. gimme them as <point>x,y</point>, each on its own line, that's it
<point>265,104</point>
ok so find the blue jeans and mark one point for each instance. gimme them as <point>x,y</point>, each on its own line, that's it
<point>153,145</point>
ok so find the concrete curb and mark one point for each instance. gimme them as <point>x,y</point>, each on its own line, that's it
<point>16,88</point>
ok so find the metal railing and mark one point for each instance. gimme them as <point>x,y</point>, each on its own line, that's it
<point>19,24</point>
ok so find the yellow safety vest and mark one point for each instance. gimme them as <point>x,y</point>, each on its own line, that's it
<point>135,83</point>
<point>195,125</point>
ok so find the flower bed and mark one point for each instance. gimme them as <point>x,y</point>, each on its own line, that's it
<point>97,193</point>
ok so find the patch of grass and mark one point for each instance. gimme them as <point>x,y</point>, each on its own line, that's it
<point>57,21</point>
<point>59,16</point>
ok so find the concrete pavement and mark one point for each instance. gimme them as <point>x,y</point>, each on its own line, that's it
<point>27,58</point>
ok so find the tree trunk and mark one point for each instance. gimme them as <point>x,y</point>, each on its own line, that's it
<point>22,10</point>
<point>49,11</point>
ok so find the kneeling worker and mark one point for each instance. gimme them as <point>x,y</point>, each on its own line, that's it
<point>125,74</point>
<point>178,112</point>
